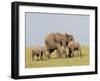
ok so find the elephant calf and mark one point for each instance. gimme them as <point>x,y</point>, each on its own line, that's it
<point>39,52</point>
<point>72,46</point>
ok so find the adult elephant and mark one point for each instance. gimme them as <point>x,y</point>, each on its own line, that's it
<point>55,41</point>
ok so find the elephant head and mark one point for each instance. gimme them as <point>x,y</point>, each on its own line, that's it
<point>69,38</point>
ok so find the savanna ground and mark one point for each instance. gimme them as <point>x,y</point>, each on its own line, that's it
<point>55,62</point>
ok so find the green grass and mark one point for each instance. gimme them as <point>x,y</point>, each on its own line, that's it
<point>55,62</point>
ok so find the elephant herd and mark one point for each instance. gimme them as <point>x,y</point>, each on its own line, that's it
<point>64,44</point>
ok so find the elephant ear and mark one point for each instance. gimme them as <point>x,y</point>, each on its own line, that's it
<point>54,37</point>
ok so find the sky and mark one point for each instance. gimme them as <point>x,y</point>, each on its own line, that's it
<point>38,25</point>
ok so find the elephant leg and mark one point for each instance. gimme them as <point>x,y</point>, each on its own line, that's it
<point>45,56</point>
<point>66,56</point>
<point>60,53</point>
<point>33,57</point>
<point>80,52</point>
<point>57,53</point>
<point>48,53</point>
<point>41,56</point>
<point>66,53</point>
<point>60,50</point>
<point>70,53</point>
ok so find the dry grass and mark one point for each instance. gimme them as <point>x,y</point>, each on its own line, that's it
<point>55,62</point>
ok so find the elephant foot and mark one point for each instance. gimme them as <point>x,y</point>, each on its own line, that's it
<point>41,58</point>
<point>48,57</point>
<point>45,59</point>
<point>60,56</point>
<point>38,59</point>
<point>66,56</point>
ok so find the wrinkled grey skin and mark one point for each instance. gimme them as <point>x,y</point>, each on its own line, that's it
<point>39,52</point>
<point>69,38</point>
<point>73,46</point>
<point>55,41</point>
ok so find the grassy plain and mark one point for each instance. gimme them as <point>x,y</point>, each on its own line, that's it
<point>58,62</point>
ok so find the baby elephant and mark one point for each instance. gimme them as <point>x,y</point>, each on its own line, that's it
<point>39,52</point>
<point>73,46</point>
